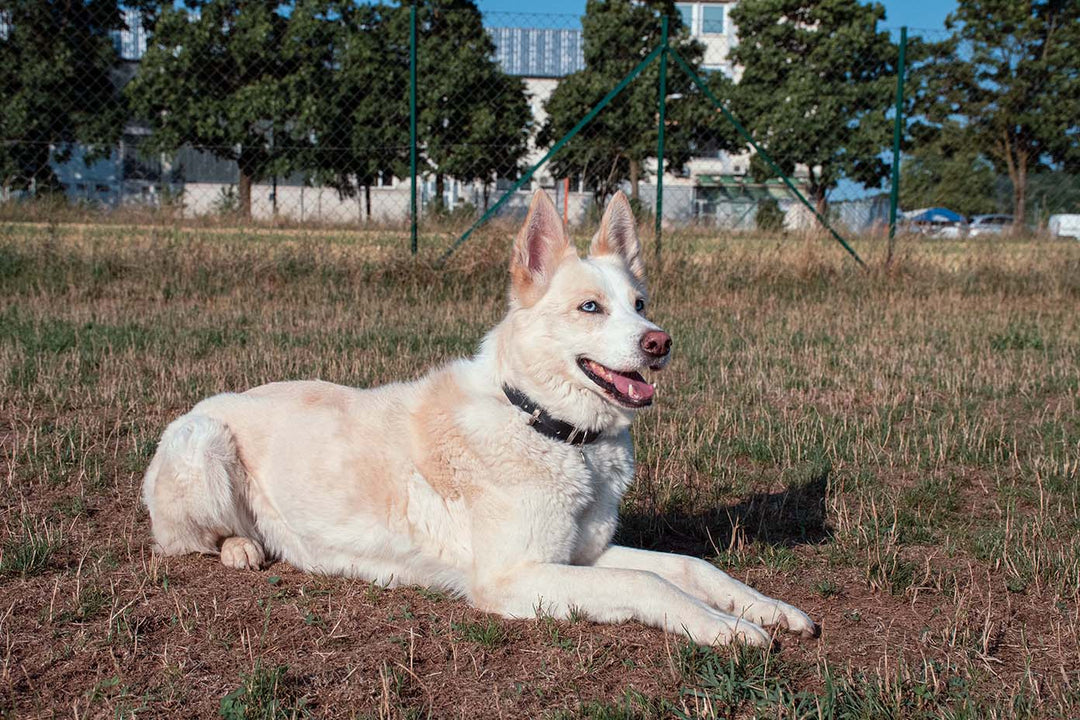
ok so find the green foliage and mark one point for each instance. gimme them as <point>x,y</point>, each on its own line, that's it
<point>488,634</point>
<point>1018,336</point>
<point>817,85</point>
<point>948,170</point>
<point>948,167</point>
<point>1008,77</point>
<point>226,202</point>
<point>826,588</point>
<point>632,706</point>
<point>28,554</point>
<point>741,681</point>
<point>55,64</point>
<point>615,147</point>
<point>1051,192</point>
<point>261,697</point>
<point>770,217</point>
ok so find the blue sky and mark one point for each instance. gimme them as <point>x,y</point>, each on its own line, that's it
<point>916,14</point>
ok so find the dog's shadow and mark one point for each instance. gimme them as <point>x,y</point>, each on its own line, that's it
<point>789,517</point>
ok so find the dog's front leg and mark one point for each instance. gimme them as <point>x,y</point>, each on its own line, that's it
<point>610,595</point>
<point>702,580</point>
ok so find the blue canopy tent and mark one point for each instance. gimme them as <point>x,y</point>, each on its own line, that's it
<point>934,215</point>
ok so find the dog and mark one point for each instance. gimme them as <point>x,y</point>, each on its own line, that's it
<point>497,478</point>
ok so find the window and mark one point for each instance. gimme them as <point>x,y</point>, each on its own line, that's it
<point>686,12</point>
<point>712,19</point>
<point>702,18</point>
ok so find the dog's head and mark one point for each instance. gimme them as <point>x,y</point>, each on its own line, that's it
<point>580,330</point>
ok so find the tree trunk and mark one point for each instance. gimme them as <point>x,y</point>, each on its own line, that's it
<point>821,203</point>
<point>244,190</point>
<point>1016,162</point>
<point>635,178</point>
<point>440,192</point>
<point>367,200</point>
<point>1020,192</point>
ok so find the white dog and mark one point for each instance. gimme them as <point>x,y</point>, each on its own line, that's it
<point>497,477</point>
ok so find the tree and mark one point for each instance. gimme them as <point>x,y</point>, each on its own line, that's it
<point>56,60</point>
<point>1011,72</point>
<point>473,119</point>
<point>946,169</point>
<point>615,147</point>
<point>234,78</point>
<point>816,89</point>
<point>361,130</point>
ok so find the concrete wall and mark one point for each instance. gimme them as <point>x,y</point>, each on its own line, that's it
<point>299,203</point>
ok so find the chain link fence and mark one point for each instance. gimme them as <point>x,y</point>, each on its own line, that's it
<point>430,119</point>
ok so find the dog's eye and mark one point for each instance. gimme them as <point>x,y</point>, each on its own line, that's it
<point>589,306</point>
<point>639,305</point>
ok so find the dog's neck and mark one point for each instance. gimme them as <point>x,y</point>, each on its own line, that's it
<point>547,385</point>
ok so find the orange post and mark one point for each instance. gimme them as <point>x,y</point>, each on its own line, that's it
<point>566,201</point>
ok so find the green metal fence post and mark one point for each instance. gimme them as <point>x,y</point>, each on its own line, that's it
<point>660,134</point>
<point>412,125</point>
<point>898,130</point>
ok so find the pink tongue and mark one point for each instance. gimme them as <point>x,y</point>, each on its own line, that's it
<point>642,389</point>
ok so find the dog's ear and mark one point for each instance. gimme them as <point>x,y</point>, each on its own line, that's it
<point>538,249</point>
<point>618,235</point>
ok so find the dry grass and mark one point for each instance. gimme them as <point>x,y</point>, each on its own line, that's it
<point>896,451</point>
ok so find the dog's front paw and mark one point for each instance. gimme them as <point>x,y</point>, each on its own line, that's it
<point>773,613</point>
<point>721,629</point>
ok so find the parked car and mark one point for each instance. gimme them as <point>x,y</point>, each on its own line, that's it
<point>989,225</point>
<point>936,222</point>
<point>1064,226</point>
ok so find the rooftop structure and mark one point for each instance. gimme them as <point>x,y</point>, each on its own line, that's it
<point>538,52</point>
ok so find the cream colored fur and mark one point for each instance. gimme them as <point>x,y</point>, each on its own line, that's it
<point>442,482</point>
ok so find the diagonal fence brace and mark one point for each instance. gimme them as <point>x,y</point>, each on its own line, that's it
<point>554,149</point>
<point>764,155</point>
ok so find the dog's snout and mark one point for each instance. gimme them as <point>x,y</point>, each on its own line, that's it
<point>656,343</point>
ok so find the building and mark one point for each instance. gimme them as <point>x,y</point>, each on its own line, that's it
<point>709,23</point>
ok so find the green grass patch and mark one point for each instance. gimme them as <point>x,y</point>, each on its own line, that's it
<point>263,695</point>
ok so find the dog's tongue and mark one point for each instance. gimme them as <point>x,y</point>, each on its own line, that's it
<point>632,386</point>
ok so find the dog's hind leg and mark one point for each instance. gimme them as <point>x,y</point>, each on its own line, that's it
<point>241,553</point>
<point>194,489</point>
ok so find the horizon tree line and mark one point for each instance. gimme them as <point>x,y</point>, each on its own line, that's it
<point>321,88</point>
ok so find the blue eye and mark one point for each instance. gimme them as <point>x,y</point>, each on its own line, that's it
<point>589,306</point>
<point>639,305</point>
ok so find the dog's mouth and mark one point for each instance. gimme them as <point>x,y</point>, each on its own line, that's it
<point>626,388</point>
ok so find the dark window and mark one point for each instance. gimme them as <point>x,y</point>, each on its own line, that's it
<point>712,20</point>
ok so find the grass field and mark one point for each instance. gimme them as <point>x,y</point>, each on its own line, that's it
<point>896,452</point>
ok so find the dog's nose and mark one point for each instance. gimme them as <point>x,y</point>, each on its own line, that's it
<point>656,343</point>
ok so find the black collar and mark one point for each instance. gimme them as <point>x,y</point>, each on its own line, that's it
<point>544,424</point>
